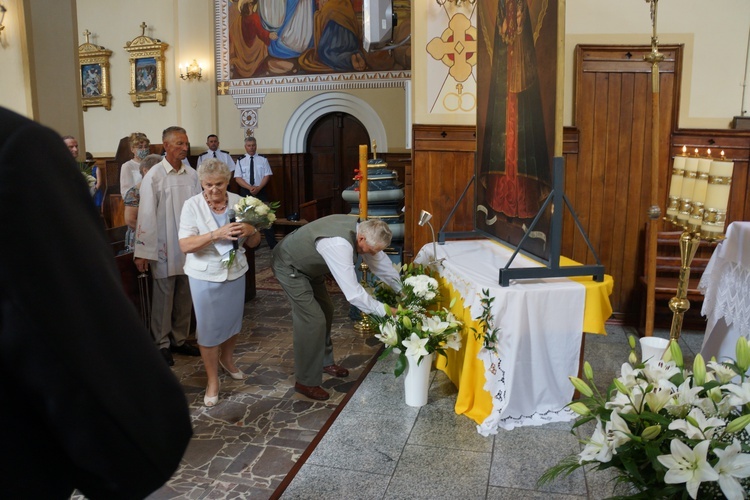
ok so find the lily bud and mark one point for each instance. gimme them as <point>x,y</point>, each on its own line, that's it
<point>631,341</point>
<point>693,421</point>
<point>699,370</point>
<point>453,302</point>
<point>588,371</point>
<point>632,358</point>
<point>620,386</point>
<point>582,386</point>
<point>738,424</point>
<point>406,322</point>
<point>580,408</point>
<point>743,354</point>
<point>674,349</point>
<point>651,432</point>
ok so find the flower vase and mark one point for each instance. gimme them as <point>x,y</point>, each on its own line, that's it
<point>417,380</point>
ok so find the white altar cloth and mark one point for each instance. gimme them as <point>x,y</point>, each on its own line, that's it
<point>726,286</point>
<point>541,325</point>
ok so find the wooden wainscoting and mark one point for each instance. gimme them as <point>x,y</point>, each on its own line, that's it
<point>442,165</point>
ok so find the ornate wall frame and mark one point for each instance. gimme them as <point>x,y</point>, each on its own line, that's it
<point>147,69</point>
<point>249,93</point>
<point>94,72</point>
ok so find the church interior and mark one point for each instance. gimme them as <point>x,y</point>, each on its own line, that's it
<point>421,109</point>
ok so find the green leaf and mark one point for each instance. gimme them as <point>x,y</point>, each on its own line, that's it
<point>400,364</point>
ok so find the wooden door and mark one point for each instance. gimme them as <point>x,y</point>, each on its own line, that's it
<point>609,184</point>
<point>333,148</point>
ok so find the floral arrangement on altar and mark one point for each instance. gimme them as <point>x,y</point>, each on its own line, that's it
<point>253,211</point>
<point>669,432</point>
<point>414,330</point>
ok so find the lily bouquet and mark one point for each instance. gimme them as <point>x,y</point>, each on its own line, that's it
<point>670,432</point>
<point>253,211</point>
<point>415,330</point>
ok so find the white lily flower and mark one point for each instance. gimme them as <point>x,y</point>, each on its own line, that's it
<point>629,375</point>
<point>453,341</point>
<point>415,346</point>
<point>732,466</point>
<point>722,372</point>
<point>597,448</point>
<point>628,404</point>
<point>617,431</point>
<point>434,325</point>
<point>388,334</point>
<point>682,401</point>
<point>659,396</point>
<point>688,466</point>
<point>740,394</point>
<point>663,370</point>
<point>706,426</point>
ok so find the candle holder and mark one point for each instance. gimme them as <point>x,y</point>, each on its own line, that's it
<point>365,325</point>
<point>702,217</point>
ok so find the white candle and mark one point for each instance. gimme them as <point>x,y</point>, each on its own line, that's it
<point>717,196</point>
<point>701,181</point>
<point>678,168</point>
<point>688,186</point>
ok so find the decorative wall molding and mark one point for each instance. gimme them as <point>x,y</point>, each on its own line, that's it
<point>298,127</point>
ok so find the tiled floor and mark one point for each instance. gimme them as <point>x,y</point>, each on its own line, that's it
<point>377,447</point>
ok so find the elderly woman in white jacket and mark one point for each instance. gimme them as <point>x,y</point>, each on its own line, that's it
<point>216,267</point>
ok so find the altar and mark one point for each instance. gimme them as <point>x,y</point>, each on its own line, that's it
<point>540,321</point>
<point>726,286</point>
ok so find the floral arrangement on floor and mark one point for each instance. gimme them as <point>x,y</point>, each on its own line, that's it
<point>669,432</point>
<point>253,211</point>
<point>415,330</point>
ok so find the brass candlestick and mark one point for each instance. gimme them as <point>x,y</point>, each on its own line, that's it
<point>364,325</point>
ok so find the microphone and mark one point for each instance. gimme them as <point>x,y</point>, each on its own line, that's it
<point>232,218</point>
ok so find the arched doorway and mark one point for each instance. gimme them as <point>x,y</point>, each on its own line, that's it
<point>333,155</point>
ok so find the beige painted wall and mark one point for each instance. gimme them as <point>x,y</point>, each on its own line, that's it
<point>711,92</point>
<point>714,33</point>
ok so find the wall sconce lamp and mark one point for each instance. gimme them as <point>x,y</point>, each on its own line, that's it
<point>424,218</point>
<point>192,71</point>
<point>3,10</point>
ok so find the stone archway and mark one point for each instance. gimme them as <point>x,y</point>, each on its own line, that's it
<point>303,118</point>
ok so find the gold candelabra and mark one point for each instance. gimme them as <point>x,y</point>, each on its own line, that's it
<point>365,324</point>
<point>698,199</point>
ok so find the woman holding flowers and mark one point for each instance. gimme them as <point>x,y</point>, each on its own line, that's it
<point>216,267</point>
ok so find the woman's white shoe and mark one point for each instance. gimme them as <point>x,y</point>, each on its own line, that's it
<point>238,375</point>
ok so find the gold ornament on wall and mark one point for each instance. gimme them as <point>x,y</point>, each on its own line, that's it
<point>94,71</point>
<point>147,69</point>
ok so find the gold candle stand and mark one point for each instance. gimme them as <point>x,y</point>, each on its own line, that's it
<point>365,324</point>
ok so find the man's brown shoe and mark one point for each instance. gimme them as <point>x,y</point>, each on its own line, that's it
<point>312,392</point>
<point>336,371</point>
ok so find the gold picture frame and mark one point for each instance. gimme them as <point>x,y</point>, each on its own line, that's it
<point>94,72</point>
<point>147,69</point>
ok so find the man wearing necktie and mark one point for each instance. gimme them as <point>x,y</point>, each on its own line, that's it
<point>252,174</point>
<point>212,141</point>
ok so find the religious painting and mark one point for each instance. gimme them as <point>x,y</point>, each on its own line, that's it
<point>268,38</point>
<point>94,73</point>
<point>147,69</point>
<point>145,74</point>
<point>516,120</point>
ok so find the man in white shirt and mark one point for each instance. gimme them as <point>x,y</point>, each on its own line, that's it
<point>212,141</point>
<point>164,189</point>
<point>301,262</point>
<point>252,172</point>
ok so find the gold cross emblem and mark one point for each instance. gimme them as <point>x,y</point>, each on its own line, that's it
<point>456,47</point>
<point>222,88</point>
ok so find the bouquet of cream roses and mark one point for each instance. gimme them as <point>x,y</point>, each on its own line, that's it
<point>670,432</point>
<point>253,211</point>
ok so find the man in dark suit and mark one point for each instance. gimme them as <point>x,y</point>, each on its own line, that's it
<point>88,403</point>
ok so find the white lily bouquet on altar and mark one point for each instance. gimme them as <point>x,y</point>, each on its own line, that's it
<point>253,211</point>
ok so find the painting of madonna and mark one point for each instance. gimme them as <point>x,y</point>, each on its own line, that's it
<point>297,37</point>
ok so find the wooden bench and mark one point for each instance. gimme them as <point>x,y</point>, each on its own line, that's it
<point>668,264</point>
